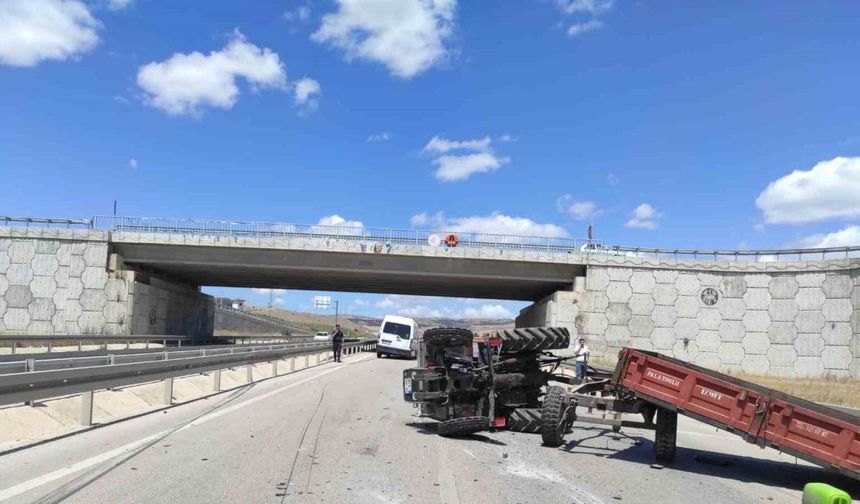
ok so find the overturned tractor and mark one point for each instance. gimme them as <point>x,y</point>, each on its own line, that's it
<point>499,381</point>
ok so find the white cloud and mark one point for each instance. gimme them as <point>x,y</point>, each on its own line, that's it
<point>578,210</point>
<point>116,5</point>
<point>828,190</point>
<point>279,301</point>
<point>507,138</point>
<point>184,83</point>
<point>612,179</point>
<point>440,145</point>
<point>306,91</point>
<point>408,306</point>
<point>301,13</point>
<point>454,168</point>
<point>337,220</point>
<point>495,223</point>
<point>379,137</point>
<point>407,36</point>
<point>494,311</point>
<point>269,291</point>
<point>846,237</point>
<point>593,7</point>
<point>584,27</point>
<point>35,30</point>
<point>132,163</point>
<point>644,216</point>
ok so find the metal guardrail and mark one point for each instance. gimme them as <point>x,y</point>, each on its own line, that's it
<point>388,237</point>
<point>34,384</point>
<point>45,222</point>
<point>103,340</point>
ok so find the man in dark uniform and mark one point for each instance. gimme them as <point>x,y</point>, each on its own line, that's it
<point>337,342</point>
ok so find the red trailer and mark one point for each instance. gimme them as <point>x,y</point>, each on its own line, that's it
<point>819,434</point>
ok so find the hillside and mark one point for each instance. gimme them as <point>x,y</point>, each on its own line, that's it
<point>364,326</point>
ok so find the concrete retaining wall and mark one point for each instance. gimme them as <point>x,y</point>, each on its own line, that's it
<point>63,281</point>
<point>792,319</point>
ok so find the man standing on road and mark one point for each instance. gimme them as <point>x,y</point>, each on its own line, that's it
<point>581,352</point>
<point>336,342</point>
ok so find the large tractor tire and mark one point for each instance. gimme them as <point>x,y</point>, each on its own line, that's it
<point>524,420</point>
<point>447,337</point>
<point>665,435</point>
<point>463,426</point>
<point>552,428</point>
<point>533,339</point>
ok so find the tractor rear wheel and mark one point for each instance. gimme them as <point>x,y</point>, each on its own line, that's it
<point>447,337</point>
<point>552,414</point>
<point>524,420</point>
<point>463,426</point>
<point>534,339</point>
<point>665,435</point>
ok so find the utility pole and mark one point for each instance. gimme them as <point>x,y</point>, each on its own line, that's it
<point>271,298</point>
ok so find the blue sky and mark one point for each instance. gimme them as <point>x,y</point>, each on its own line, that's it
<point>719,125</point>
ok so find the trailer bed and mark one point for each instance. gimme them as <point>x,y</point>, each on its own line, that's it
<point>819,434</point>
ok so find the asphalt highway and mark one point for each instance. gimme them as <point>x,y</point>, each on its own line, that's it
<point>341,433</point>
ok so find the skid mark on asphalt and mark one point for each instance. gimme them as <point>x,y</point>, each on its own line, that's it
<point>577,495</point>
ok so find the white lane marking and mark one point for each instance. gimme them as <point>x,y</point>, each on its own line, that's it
<point>38,481</point>
<point>469,453</point>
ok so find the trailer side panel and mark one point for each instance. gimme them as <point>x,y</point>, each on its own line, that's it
<point>764,416</point>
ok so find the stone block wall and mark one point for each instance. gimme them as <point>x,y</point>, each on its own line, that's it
<point>64,281</point>
<point>804,322</point>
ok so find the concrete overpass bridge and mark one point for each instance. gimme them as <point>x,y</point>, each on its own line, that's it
<point>786,312</point>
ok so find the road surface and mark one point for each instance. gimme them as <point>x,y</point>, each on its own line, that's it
<point>340,433</point>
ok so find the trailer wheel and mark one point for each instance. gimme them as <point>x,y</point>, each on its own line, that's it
<point>552,413</point>
<point>463,426</point>
<point>524,420</point>
<point>665,435</point>
<point>534,339</point>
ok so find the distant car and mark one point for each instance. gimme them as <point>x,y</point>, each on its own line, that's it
<point>322,336</point>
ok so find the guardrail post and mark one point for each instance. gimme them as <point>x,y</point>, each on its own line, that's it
<point>31,364</point>
<point>50,345</point>
<point>87,408</point>
<point>167,398</point>
<point>14,347</point>
<point>292,364</point>
<point>307,361</point>
<point>216,381</point>
<point>274,368</point>
<point>250,376</point>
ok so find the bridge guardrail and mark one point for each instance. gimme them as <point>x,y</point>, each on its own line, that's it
<point>33,384</point>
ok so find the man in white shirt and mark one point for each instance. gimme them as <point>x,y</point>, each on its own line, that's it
<point>581,352</point>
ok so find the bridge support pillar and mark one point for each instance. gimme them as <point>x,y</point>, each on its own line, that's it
<point>87,408</point>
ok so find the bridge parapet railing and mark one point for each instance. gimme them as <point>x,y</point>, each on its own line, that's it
<point>385,238</point>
